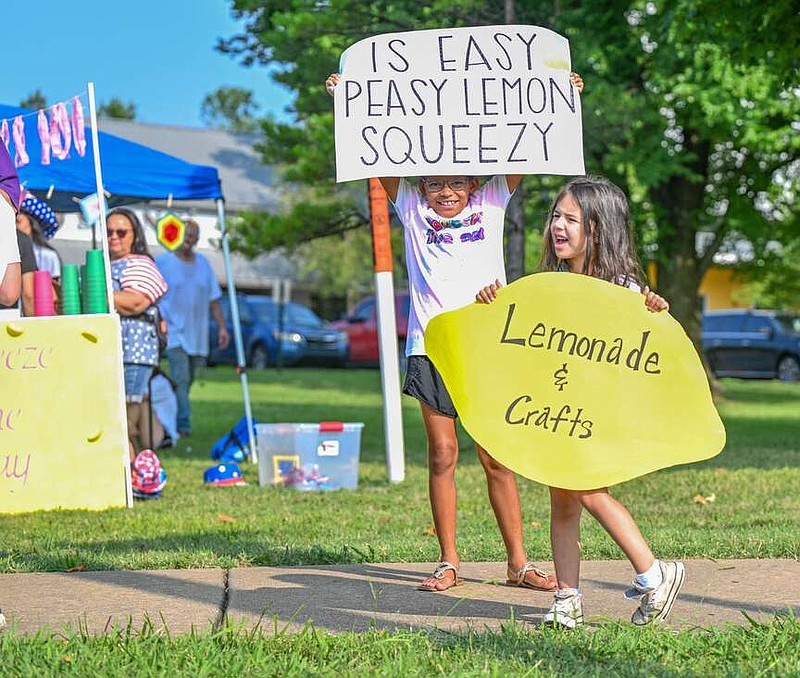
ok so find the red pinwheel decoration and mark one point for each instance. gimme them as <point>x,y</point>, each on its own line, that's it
<point>170,231</point>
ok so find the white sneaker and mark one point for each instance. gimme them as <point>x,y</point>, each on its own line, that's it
<point>2,619</point>
<point>567,611</point>
<point>655,604</point>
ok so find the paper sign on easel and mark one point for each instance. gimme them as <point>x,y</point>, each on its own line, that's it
<point>63,435</point>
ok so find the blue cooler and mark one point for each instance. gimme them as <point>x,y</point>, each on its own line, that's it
<point>309,457</point>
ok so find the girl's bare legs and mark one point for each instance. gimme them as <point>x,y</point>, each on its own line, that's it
<point>565,536</point>
<point>565,516</point>
<point>621,527</point>
<point>442,458</point>
<point>504,498</point>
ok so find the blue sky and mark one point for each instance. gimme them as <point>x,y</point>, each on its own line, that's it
<point>158,54</point>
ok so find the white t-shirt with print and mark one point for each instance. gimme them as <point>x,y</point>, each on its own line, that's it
<point>449,260</point>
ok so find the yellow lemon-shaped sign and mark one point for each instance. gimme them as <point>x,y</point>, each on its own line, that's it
<point>572,382</point>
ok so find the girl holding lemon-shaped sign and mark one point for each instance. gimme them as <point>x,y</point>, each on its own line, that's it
<point>565,382</point>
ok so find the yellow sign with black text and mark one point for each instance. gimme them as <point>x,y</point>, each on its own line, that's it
<point>572,382</point>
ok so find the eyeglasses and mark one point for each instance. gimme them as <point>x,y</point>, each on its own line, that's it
<point>437,185</point>
<point>119,232</point>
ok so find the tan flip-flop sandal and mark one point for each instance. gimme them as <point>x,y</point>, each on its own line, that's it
<point>439,573</point>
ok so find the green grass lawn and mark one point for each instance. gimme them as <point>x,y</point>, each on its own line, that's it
<point>754,515</point>
<point>612,651</point>
<point>754,483</point>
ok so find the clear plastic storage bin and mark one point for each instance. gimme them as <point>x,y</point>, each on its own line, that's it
<point>309,457</point>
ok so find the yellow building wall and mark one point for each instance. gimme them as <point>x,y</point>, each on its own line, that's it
<point>718,289</point>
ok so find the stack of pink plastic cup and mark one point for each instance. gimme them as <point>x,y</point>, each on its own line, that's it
<point>43,301</point>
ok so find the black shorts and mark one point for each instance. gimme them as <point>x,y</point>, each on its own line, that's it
<point>424,383</point>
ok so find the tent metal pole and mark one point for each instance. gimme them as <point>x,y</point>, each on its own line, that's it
<point>237,330</point>
<point>98,178</point>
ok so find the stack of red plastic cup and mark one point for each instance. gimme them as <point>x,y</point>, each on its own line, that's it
<point>43,300</point>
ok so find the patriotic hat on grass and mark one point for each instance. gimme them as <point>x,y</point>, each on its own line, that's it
<point>224,474</point>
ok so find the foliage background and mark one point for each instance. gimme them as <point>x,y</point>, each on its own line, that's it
<point>690,105</point>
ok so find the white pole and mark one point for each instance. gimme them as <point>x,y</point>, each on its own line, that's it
<point>98,178</point>
<point>387,330</point>
<point>390,376</point>
<point>237,330</point>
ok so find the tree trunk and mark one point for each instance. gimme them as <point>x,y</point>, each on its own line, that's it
<point>680,271</point>
<point>510,11</point>
<point>680,203</point>
<point>679,278</point>
<point>515,236</point>
<point>515,222</point>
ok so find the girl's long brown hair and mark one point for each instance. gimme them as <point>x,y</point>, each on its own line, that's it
<point>37,233</point>
<point>610,253</point>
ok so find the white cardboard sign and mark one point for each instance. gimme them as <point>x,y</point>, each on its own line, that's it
<point>467,101</point>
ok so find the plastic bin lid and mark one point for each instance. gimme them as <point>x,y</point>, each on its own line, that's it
<point>322,427</point>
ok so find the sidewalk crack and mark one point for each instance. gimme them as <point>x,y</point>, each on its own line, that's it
<point>222,612</point>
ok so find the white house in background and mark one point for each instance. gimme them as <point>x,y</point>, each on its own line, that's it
<point>247,184</point>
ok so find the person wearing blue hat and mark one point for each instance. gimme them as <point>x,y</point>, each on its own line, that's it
<point>36,219</point>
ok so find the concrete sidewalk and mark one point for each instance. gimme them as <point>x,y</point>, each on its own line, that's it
<point>382,596</point>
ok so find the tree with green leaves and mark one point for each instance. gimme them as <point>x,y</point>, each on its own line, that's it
<point>690,105</point>
<point>231,108</point>
<point>116,108</point>
<point>773,280</point>
<point>36,100</point>
<point>696,120</point>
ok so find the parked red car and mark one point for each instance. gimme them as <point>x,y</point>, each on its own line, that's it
<point>362,329</point>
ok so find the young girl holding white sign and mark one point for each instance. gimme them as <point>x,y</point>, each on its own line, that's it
<point>588,232</point>
<point>453,239</point>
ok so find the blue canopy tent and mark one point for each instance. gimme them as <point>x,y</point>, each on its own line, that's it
<point>131,173</point>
